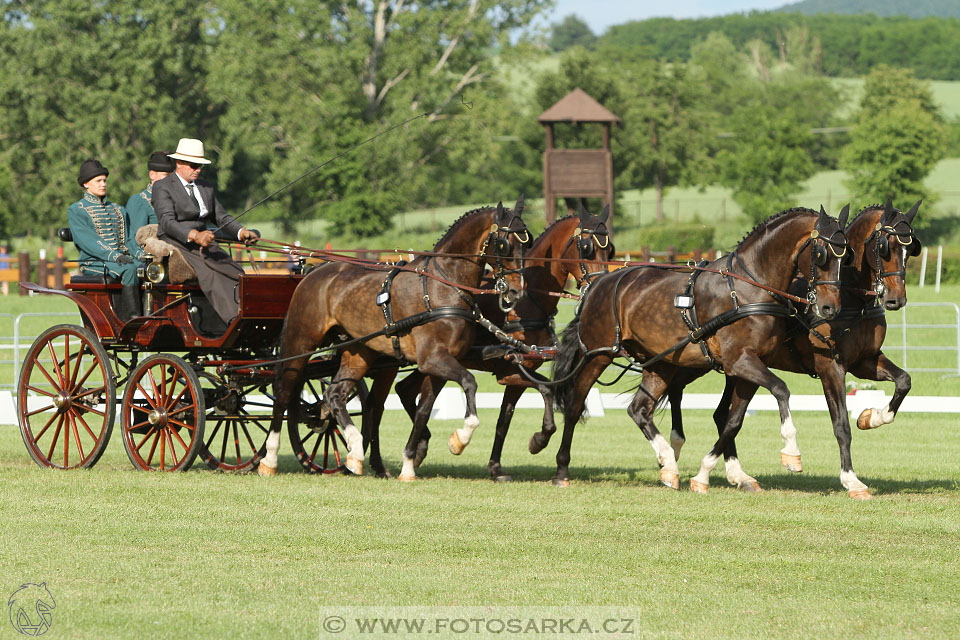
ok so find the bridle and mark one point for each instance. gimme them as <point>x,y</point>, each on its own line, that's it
<point>498,240</point>
<point>821,247</point>
<point>587,246</point>
<point>881,249</point>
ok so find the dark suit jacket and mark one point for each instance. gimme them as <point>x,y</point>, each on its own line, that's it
<point>178,213</point>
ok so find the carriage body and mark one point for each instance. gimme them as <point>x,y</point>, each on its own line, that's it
<point>180,390</point>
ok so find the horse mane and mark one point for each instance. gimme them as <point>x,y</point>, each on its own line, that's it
<point>870,207</point>
<point>456,222</point>
<point>777,216</point>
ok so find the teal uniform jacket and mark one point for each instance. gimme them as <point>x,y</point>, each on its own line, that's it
<point>99,231</point>
<point>140,211</point>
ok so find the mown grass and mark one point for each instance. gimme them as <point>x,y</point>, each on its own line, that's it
<point>203,554</point>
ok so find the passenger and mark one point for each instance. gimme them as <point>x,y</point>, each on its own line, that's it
<point>185,209</point>
<point>139,207</point>
<point>99,231</point>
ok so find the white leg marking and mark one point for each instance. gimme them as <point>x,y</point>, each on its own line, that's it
<point>706,466</point>
<point>788,432</point>
<point>406,471</point>
<point>735,473</point>
<point>879,417</point>
<point>664,453</point>
<point>850,481</point>
<point>470,423</point>
<point>273,445</point>
<point>676,442</point>
<point>354,441</point>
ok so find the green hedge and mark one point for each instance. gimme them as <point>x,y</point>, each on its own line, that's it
<point>682,237</point>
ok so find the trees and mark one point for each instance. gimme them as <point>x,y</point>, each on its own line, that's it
<point>570,32</point>
<point>899,136</point>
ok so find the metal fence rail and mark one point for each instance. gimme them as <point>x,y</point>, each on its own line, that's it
<point>17,342</point>
<point>951,334</point>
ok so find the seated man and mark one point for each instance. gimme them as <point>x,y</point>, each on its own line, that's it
<point>185,208</point>
<point>99,231</point>
<point>139,206</point>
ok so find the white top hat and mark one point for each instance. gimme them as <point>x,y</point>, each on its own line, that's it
<point>190,150</point>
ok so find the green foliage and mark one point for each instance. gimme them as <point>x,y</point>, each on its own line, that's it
<point>840,45</point>
<point>898,138</point>
<point>572,31</point>
<point>911,8</point>
<point>682,237</point>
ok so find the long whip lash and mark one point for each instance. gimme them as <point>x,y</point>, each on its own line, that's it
<point>326,162</point>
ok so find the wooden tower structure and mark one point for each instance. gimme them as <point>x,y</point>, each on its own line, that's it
<point>577,173</point>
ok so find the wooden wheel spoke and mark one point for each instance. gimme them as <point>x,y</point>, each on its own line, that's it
<point>36,411</point>
<point>74,385</point>
<point>173,403</point>
<point>156,391</point>
<point>146,396</point>
<point>47,375</point>
<point>87,409</point>
<point>56,365</point>
<point>149,433</point>
<point>236,441</point>
<point>86,426</point>
<point>66,441</point>
<point>76,436</point>
<point>186,447</point>
<point>180,423</point>
<point>49,394</point>
<point>213,435</point>
<point>56,438</point>
<point>157,435</point>
<point>182,409</point>
<point>45,427</point>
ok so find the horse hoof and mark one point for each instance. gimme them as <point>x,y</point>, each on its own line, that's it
<point>561,482</point>
<point>505,478</point>
<point>354,465</point>
<point>537,443</point>
<point>385,474</point>
<point>698,487</point>
<point>861,494</point>
<point>750,487</point>
<point>405,478</point>
<point>863,421</point>
<point>791,462</point>
<point>670,479</point>
<point>455,445</point>
<point>264,471</point>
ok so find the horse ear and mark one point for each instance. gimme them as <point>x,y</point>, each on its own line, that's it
<point>581,211</point>
<point>499,211</point>
<point>887,209</point>
<point>823,213</point>
<point>518,208</point>
<point>605,213</point>
<point>844,214</point>
<point>913,211</point>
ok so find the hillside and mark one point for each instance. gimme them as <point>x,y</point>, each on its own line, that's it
<point>910,8</point>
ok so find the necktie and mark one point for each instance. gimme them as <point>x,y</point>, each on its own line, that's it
<point>190,191</point>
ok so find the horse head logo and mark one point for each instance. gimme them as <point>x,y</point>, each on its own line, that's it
<point>30,608</point>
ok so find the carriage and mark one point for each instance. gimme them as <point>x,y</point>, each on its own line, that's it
<point>183,387</point>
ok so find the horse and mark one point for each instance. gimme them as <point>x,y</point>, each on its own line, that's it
<point>358,304</point>
<point>652,314</point>
<point>576,246</point>
<point>882,239</point>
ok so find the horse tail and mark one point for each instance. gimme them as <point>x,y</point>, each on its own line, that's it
<point>569,357</point>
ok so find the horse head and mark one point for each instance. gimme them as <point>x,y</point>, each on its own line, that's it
<point>829,251</point>
<point>888,240</point>
<point>590,246</point>
<point>504,250</point>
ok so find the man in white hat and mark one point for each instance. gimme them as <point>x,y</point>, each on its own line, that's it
<point>186,210</point>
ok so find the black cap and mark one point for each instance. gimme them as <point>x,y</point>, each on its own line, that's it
<point>160,162</point>
<point>89,170</point>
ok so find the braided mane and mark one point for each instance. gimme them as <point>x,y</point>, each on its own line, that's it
<point>765,223</point>
<point>458,221</point>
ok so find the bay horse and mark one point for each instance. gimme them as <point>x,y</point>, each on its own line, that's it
<point>882,239</point>
<point>576,246</point>
<point>652,314</point>
<point>433,328</point>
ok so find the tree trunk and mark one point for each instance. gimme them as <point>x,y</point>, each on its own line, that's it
<point>658,188</point>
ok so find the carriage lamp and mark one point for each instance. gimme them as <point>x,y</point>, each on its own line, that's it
<point>155,272</point>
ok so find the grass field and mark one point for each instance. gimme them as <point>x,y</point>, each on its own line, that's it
<point>201,554</point>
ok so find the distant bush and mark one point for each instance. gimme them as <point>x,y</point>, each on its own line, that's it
<point>682,237</point>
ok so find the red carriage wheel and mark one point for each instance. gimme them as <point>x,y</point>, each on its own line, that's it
<point>163,414</point>
<point>314,434</point>
<point>66,398</point>
<point>237,424</point>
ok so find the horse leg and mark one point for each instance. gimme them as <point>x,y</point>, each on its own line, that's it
<point>881,369</point>
<point>288,380</point>
<point>832,378</point>
<point>737,396</point>
<point>373,415</point>
<point>510,396</point>
<point>408,389</point>
<point>353,366</point>
<point>574,410</point>
<point>675,395</point>
<point>653,385</point>
<point>429,389</point>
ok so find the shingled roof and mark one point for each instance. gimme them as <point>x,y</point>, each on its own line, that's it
<point>577,106</point>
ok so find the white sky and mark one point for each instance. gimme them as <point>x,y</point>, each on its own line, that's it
<point>600,14</point>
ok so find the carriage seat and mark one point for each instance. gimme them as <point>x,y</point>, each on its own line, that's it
<point>179,270</point>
